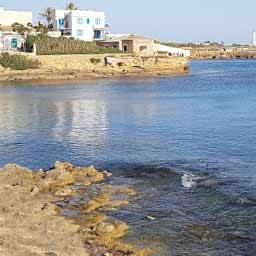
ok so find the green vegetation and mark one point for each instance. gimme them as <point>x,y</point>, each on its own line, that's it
<point>46,45</point>
<point>18,62</point>
<point>95,61</point>
<point>22,29</point>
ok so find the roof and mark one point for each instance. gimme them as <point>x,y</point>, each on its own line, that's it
<point>129,37</point>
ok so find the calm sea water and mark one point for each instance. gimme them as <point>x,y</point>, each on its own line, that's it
<point>150,132</point>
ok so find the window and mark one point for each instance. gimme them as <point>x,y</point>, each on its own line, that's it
<point>97,34</point>
<point>61,23</point>
<point>97,21</point>
<point>143,48</point>
<point>79,32</point>
<point>88,21</point>
<point>80,21</point>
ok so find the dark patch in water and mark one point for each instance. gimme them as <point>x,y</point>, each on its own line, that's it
<point>245,201</point>
<point>207,233</point>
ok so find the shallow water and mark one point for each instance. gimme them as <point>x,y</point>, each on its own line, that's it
<point>150,133</point>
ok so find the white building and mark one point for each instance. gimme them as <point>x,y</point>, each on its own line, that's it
<point>174,51</point>
<point>80,24</point>
<point>7,18</point>
<point>254,38</point>
<point>10,41</point>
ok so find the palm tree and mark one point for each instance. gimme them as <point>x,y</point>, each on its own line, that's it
<point>71,6</point>
<point>46,13</point>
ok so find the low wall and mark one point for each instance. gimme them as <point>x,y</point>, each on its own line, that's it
<point>147,62</point>
<point>76,61</point>
<point>89,62</point>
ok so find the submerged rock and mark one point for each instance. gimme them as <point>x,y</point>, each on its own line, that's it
<point>152,218</point>
<point>189,180</point>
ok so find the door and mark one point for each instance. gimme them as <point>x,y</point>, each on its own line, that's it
<point>14,43</point>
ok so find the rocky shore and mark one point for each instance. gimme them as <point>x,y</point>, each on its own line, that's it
<point>58,68</point>
<point>62,212</point>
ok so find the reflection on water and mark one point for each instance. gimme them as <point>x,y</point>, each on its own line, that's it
<point>82,122</point>
<point>202,124</point>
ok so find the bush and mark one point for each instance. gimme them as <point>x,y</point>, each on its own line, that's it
<point>95,61</point>
<point>18,62</point>
<point>46,45</point>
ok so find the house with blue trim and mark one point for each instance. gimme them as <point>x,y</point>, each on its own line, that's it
<point>80,24</point>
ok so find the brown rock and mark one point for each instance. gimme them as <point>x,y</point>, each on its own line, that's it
<point>92,206</point>
<point>66,191</point>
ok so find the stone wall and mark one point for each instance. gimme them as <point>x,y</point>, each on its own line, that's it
<point>148,62</point>
<point>75,61</point>
<point>90,62</point>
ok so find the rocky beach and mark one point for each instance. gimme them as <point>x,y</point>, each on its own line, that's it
<point>62,211</point>
<point>54,68</point>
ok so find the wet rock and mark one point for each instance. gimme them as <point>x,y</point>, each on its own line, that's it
<point>90,171</point>
<point>92,220</point>
<point>102,198</point>
<point>92,206</point>
<point>39,174</point>
<point>128,191</point>
<point>33,215</point>
<point>107,174</point>
<point>63,166</point>
<point>98,177</point>
<point>118,203</point>
<point>120,229</point>
<point>105,228</point>
<point>66,191</point>
<point>189,180</point>
<point>87,183</point>
<point>152,218</point>
<point>59,177</point>
<point>113,231</point>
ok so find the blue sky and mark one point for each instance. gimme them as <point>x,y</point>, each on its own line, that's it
<point>167,20</point>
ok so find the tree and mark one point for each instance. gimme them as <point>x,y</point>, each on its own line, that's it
<point>29,28</point>
<point>71,6</point>
<point>41,28</point>
<point>46,14</point>
<point>19,28</point>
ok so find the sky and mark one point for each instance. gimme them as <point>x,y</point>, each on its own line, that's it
<point>231,21</point>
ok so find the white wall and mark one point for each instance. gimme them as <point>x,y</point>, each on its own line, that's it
<point>56,15</point>
<point>81,23</point>
<point>5,41</point>
<point>171,50</point>
<point>7,18</point>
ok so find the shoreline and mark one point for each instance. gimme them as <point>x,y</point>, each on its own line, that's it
<point>34,206</point>
<point>75,76</point>
<point>59,68</point>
